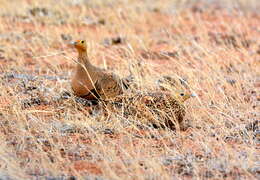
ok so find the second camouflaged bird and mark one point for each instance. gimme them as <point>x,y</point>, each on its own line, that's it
<point>161,109</point>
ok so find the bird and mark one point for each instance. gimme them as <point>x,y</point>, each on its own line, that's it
<point>161,109</point>
<point>91,82</point>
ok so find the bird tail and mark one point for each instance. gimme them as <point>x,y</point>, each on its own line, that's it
<point>128,81</point>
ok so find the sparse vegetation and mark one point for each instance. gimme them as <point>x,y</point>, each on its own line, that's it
<point>214,46</point>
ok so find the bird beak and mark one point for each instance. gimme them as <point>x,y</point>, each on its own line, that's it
<point>193,95</point>
<point>72,44</point>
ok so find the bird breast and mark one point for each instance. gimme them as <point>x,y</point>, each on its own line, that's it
<point>83,82</point>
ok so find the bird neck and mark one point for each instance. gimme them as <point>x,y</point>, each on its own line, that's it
<point>83,58</point>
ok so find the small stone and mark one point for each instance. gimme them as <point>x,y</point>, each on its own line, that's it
<point>114,41</point>
<point>231,81</point>
<point>37,11</point>
<point>167,161</point>
<point>66,37</point>
<point>108,131</point>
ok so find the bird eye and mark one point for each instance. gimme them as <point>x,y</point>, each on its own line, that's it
<point>82,42</point>
<point>182,94</point>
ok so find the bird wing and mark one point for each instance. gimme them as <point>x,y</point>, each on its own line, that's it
<point>109,86</point>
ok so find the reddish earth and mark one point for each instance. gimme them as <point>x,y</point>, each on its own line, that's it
<point>87,167</point>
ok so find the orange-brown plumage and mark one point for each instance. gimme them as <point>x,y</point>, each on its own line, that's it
<point>92,82</point>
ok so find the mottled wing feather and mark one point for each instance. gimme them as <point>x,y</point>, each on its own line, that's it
<point>159,109</point>
<point>109,86</point>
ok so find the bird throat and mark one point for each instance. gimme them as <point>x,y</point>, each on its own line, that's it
<point>83,58</point>
<point>85,68</point>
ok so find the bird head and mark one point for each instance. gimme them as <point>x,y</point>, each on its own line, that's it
<point>182,97</point>
<point>80,45</point>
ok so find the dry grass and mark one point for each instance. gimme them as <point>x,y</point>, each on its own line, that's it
<point>215,47</point>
